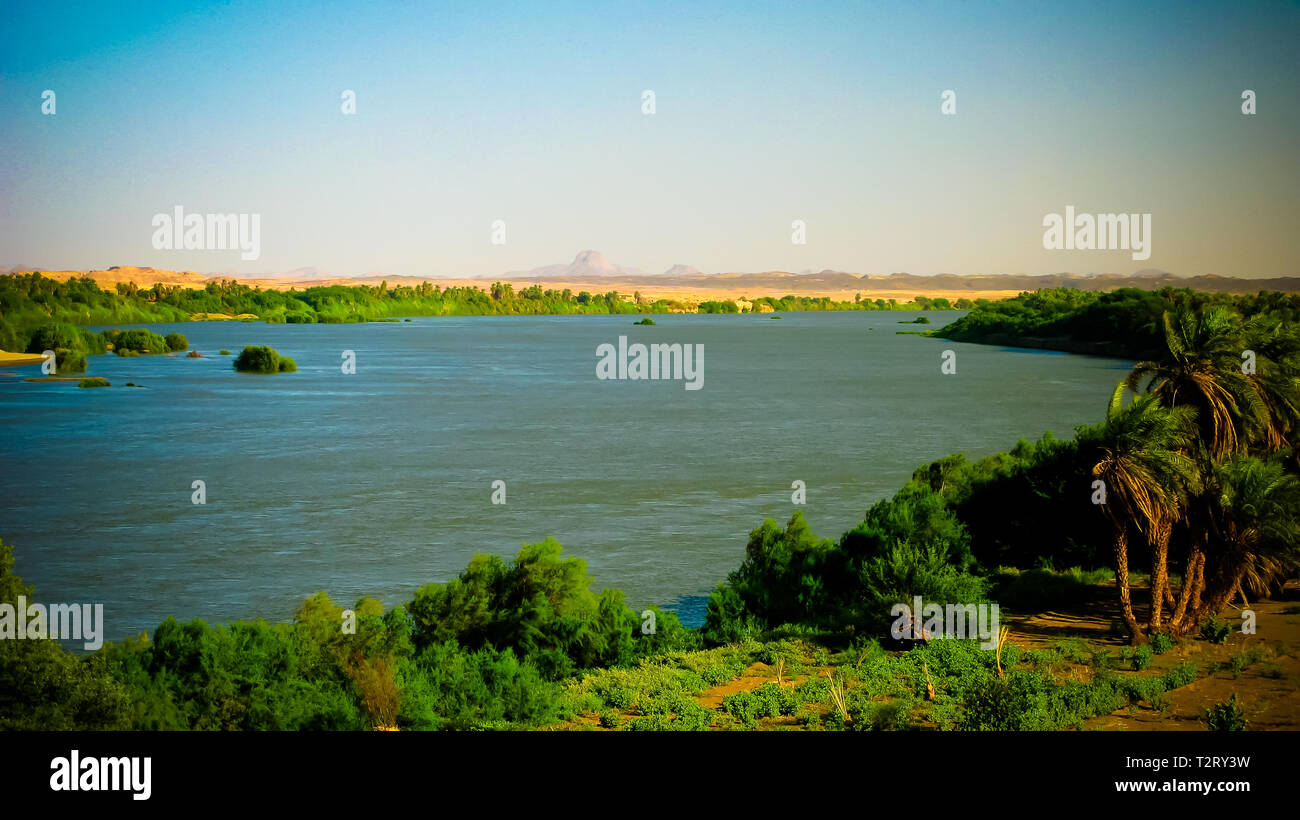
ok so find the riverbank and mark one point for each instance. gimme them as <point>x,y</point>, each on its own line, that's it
<point>8,359</point>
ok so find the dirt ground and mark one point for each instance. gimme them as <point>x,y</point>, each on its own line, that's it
<point>1267,691</point>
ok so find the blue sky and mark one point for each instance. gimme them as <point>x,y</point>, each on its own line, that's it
<point>765,113</point>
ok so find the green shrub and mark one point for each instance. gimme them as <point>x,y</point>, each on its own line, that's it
<point>728,621</point>
<point>1216,631</point>
<point>1161,643</point>
<point>1142,657</point>
<point>1180,675</point>
<point>176,342</point>
<point>224,352</point>
<point>55,335</point>
<point>137,340</point>
<point>1226,716</point>
<point>69,361</point>
<point>262,359</point>
<point>447,687</point>
<point>541,605</point>
<point>94,381</point>
<point>869,716</point>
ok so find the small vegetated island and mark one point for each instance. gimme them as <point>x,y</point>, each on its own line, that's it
<point>262,359</point>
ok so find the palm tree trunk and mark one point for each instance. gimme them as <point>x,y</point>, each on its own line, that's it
<point>1220,596</point>
<point>1121,581</point>
<point>1188,596</point>
<point>1159,574</point>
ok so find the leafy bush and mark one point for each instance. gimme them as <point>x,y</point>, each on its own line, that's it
<point>176,342</point>
<point>1216,631</point>
<point>43,687</point>
<point>610,720</point>
<point>95,381</point>
<point>541,605</point>
<point>446,687</point>
<point>728,620</point>
<point>1161,643</point>
<point>1226,716</point>
<point>1142,657</point>
<point>69,361</point>
<point>1180,675</point>
<point>137,340</point>
<point>262,359</point>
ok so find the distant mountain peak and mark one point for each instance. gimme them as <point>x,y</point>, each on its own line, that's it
<point>683,270</point>
<point>587,263</point>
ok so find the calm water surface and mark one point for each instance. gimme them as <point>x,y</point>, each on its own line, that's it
<point>376,483</point>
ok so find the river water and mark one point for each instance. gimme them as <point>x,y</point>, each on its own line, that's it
<point>377,482</point>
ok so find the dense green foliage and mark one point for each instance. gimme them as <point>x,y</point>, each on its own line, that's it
<point>44,687</point>
<point>31,301</point>
<point>137,340</point>
<point>68,362</point>
<point>262,359</point>
<point>1123,322</point>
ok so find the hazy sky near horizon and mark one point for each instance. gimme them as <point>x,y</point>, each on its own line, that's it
<point>765,113</point>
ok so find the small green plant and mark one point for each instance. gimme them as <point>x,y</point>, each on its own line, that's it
<point>1142,657</point>
<point>1161,643</point>
<point>176,342</point>
<point>1226,716</point>
<point>1180,675</point>
<point>1240,660</point>
<point>224,352</point>
<point>1216,631</point>
<point>94,381</point>
<point>610,720</point>
<point>646,321</point>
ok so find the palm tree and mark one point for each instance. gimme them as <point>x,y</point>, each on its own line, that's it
<point>1203,369</point>
<point>1276,349</point>
<point>1140,458</point>
<point>1239,409</point>
<point>1255,532</point>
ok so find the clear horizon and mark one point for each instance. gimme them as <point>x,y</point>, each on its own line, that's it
<point>764,115</point>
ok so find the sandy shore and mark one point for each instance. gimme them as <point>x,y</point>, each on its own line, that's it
<point>18,359</point>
